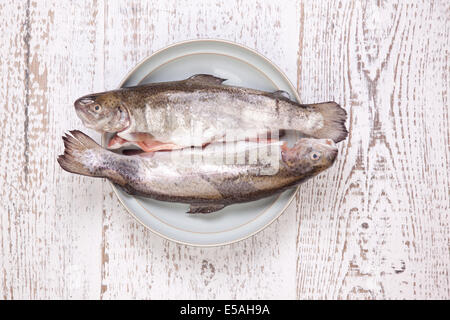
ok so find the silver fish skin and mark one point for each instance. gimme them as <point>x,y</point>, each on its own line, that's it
<point>201,109</point>
<point>208,178</point>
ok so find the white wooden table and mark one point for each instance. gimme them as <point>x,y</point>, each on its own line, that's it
<point>374,226</point>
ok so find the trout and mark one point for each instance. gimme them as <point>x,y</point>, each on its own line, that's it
<point>208,178</point>
<point>201,110</point>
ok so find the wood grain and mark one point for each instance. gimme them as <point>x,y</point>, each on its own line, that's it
<point>50,227</point>
<point>161,269</point>
<point>374,226</point>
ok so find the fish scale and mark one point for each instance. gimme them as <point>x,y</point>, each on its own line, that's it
<point>199,176</point>
<point>205,109</point>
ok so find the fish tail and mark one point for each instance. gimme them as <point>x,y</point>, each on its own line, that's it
<point>75,158</point>
<point>334,121</point>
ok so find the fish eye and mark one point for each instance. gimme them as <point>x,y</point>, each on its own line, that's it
<point>315,155</point>
<point>97,108</point>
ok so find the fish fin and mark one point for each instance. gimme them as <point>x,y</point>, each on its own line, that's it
<point>205,208</point>
<point>206,79</point>
<point>117,142</point>
<point>281,94</point>
<point>334,121</point>
<point>155,145</point>
<point>145,141</point>
<point>75,146</point>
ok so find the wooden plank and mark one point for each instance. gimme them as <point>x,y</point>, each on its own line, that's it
<point>51,225</point>
<point>13,64</point>
<point>376,226</point>
<point>150,267</point>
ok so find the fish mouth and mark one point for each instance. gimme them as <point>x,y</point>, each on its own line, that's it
<point>84,115</point>
<point>81,105</point>
<point>80,111</point>
<point>89,120</point>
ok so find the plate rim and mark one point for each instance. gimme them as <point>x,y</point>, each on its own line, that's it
<point>184,42</point>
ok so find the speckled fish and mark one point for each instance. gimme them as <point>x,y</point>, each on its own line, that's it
<point>200,110</point>
<point>209,183</point>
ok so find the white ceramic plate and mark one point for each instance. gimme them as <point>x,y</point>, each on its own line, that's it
<point>242,67</point>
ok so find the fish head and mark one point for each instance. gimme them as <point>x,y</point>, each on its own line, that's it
<point>103,112</point>
<point>310,156</point>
